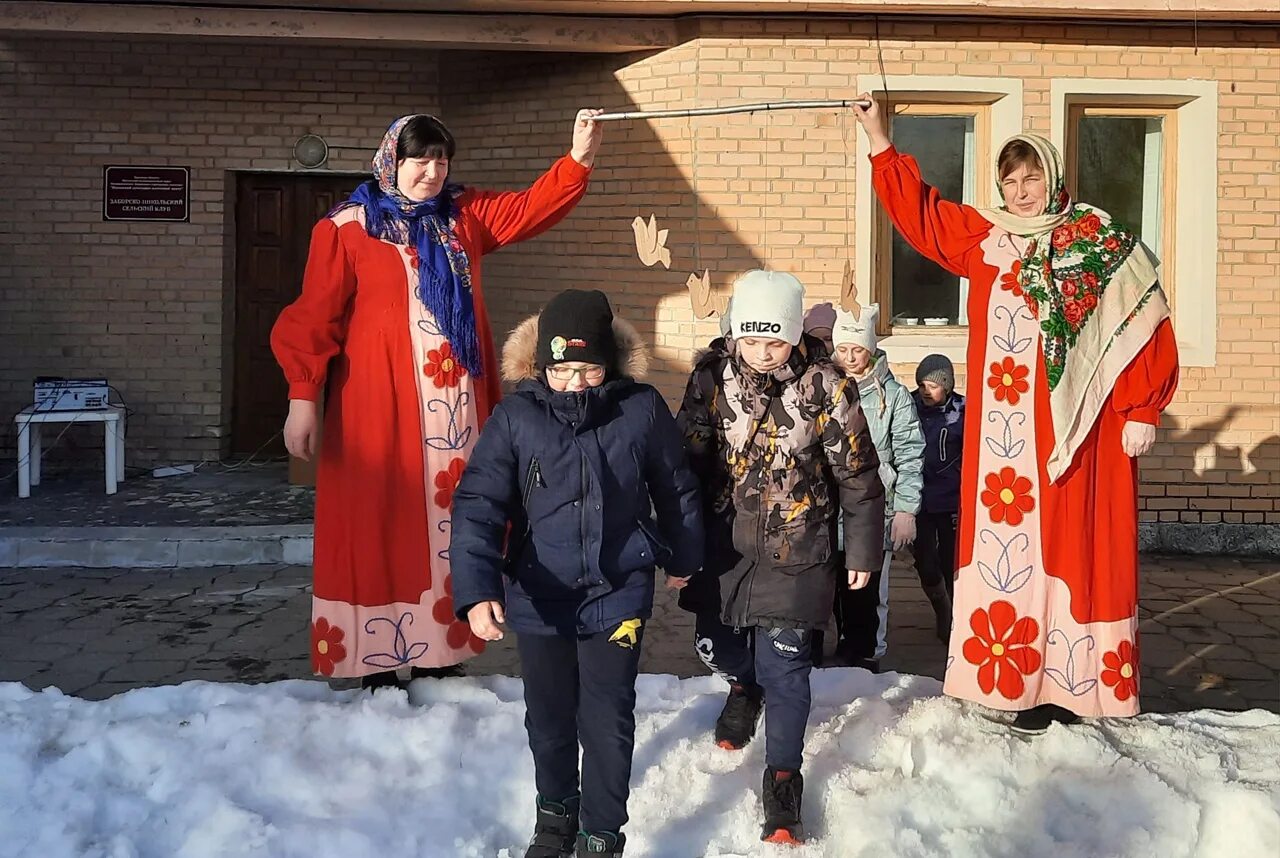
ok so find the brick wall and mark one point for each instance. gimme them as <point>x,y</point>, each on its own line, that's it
<point>774,186</point>
<point>148,305</point>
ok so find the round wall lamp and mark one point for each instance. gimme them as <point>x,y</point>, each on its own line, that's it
<point>311,151</point>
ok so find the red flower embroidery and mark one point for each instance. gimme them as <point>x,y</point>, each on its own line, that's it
<point>1032,304</point>
<point>1120,671</point>
<point>1074,312</point>
<point>458,634</point>
<point>1089,225</point>
<point>442,611</point>
<point>1064,236</point>
<point>1011,280</point>
<point>1089,301</point>
<point>447,483</point>
<point>443,366</point>
<point>326,646</point>
<point>1008,380</point>
<point>1090,280</point>
<point>1001,648</point>
<point>1070,288</point>
<point>1111,243</point>
<point>1008,496</point>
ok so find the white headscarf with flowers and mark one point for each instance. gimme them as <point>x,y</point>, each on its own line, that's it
<point>1092,286</point>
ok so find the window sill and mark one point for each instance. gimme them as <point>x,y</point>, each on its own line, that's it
<point>911,344</point>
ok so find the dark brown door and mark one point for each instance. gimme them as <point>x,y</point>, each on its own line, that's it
<point>274,217</point>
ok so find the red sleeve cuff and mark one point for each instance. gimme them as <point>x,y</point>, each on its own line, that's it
<point>308,390</point>
<point>885,158</point>
<point>1144,415</point>
<point>575,170</point>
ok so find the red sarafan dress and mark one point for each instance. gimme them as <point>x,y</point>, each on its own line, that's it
<point>401,418</point>
<point>1047,590</point>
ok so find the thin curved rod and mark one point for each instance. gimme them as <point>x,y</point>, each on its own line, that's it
<point>733,108</point>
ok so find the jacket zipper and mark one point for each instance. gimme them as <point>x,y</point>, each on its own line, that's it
<point>760,527</point>
<point>532,478</point>
<point>755,570</point>
<point>582,516</point>
<point>582,529</point>
<point>942,444</point>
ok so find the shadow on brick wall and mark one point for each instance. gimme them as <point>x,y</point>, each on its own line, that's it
<point>1224,501</point>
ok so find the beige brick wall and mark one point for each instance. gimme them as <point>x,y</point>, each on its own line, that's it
<point>774,187</point>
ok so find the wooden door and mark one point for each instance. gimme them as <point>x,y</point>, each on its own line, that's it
<point>274,217</point>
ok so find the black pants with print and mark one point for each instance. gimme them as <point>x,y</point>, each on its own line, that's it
<point>778,660</point>
<point>582,690</point>
<point>935,548</point>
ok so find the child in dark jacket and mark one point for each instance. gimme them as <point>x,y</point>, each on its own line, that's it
<point>941,412</point>
<point>575,462</point>
<point>783,452</point>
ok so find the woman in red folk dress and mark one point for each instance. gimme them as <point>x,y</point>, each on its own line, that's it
<point>392,326</point>
<point>1071,358</point>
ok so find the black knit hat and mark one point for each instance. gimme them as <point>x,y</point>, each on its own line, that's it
<point>577,325</point>
<point>938,369</point>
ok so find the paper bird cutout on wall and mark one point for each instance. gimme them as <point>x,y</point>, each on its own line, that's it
<point>706,302</point>
<point>651,242</point>
<point>849,291</point>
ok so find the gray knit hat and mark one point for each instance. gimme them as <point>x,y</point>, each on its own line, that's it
<point>938,369</point>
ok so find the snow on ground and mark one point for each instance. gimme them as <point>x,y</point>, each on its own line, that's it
<point>295,769</point>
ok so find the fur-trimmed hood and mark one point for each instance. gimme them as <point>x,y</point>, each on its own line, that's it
<point>519,361</point>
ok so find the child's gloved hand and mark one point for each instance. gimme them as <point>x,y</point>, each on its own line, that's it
<point>674,583</point>
<point>903,530</point>
<point>858,580</point>
<point>486,620</point>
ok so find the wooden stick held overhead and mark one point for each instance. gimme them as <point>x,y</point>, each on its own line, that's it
<point>733,108</point>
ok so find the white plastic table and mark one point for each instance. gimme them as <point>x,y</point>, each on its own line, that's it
<point>30,444</point>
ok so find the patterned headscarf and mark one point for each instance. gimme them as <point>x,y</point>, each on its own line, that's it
<point>1092,285</point>
<point>444,271</point>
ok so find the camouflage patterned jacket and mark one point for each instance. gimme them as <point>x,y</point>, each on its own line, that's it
<point>780,457</point>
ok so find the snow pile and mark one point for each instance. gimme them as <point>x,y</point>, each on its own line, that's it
<point>295,769</point>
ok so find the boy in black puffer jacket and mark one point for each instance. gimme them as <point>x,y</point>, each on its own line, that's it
<point>575,462</point>
<point>781,446</point>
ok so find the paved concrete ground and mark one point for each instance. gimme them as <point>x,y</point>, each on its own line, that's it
<point>217,495</point>
<point>1211,630</point>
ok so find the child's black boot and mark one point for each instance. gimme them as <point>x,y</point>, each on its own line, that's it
<point>737,722</point>
<point>554,832</point>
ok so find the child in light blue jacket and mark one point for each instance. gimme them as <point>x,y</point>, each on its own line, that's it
<point>862,615</point>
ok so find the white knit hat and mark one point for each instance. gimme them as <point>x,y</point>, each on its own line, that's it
<point>768,304</point>
<point>858,330</point>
